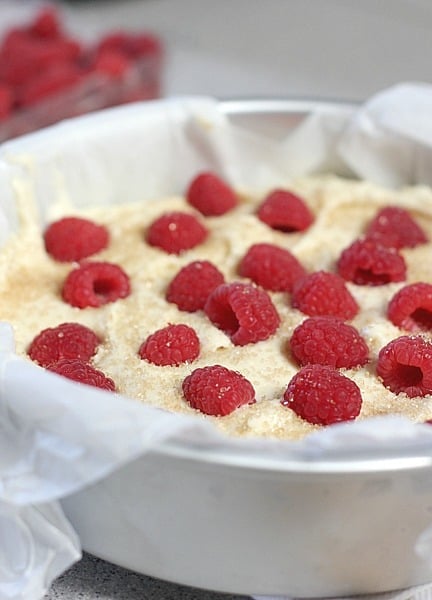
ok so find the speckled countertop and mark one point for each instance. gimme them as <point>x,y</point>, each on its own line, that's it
<point>93,578</point>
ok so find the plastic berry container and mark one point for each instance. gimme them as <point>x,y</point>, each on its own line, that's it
<point>47,74</point>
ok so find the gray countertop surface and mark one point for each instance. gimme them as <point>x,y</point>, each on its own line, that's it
<point>93,578</point>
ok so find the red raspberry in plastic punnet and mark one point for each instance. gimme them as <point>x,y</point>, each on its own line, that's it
<point>74,238</point>
<point>56,79</point>
<point>394,227</point>
<point>172,345</point>
<point>244,312</point>
<point>131,45</point>
<point>271,267</point>
<point>405,366</point>
<point>322,395</point>
<point>82,372</point>
<point>46,24</point>
<point>366,262</point>
<point>328,341</point>
<point>209,194</point>
<point>24,56</point>
<point>175,232</point>
<point>324,293</point>
<point>216,390</point>
<point>285,211</point>
<point>67,340</point>
<point>112,63</point>
<point>411,307</point>
<point>193,284</point>
<point>94,284</point>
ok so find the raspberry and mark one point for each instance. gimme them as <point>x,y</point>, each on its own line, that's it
<point>323,293</point>
<point>131,45</point>
<point>244,312</point>
<point>145,45</point>
<point>68,340</point>
<point>394,227</point>
<point>216,390</point>
<point>112,63</point>
<point>25,56</point>
<point>405,365</point>
<point>175,232</point>
<point>210,195</point>
<point>193,284</point>
<point>58,78</point>
<point>366,262</point>
<point>328,341</point>
<point>172,345</point>
<point>117,41</point>
<point>411,307</point>
<point>46,24</point>
<point>80,371</point>
<point>94,284</point>
<point>271,267</point>
<point>285,211</point>
<point>322,395</point>
<point>74,238</point>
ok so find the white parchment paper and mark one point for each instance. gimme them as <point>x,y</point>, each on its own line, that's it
<point>55,436</point>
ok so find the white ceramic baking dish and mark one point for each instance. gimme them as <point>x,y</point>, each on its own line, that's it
<point>252,523</point>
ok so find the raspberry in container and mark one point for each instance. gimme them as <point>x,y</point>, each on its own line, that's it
<point>48,74</point>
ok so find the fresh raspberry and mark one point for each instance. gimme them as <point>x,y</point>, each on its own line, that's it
<point>117,41</point>
<point>132,45</point>
<point>172,345</point>
<point>175,232</point>
<point>322,395</point>
<point>394,227</point>
<point>145,44</point>
<point>74,238</point>
<point>271,267</point>
<point>60,77</point>
<point>46,24</point>
<point>365,262</point>
<point>285,211</point>
<point>411,307</point>
<point>26,52</point>
<point>328,341</point>
<point>323,293</point>
<point>112,63</point>
<point>244,312</point>
<point>193,284</point>
<point>216,390</point>
<point>26,56</point>
<point>77,370</point>
<point>209,194</point>
<point>94,284</point>
<point>14,72</point>
<point>68,340</point>
<point>405,366</point>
